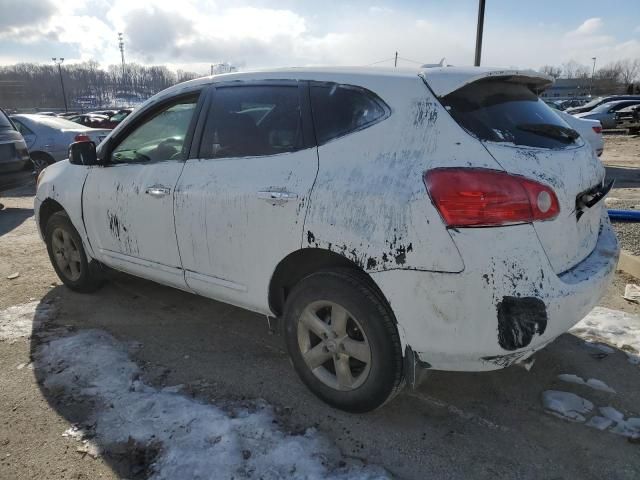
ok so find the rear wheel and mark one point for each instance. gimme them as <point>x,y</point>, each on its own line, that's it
<point>41,161</point>
<point>343,340</point>
<point>68,257</point>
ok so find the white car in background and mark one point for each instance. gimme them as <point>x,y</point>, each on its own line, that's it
<point>606,112</point>
<point>48,138</point>
<point>391,220</point>
<point>590,130</point>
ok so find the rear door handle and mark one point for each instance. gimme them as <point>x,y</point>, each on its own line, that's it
<point>157,191</point>
<point>276,196</point>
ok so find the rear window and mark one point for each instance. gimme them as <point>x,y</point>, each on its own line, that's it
<point>5,123</point>
<point>503,111</point>
<point>342,109</point>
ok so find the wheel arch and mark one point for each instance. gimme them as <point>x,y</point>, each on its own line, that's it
<point>300,263</point>
<point>48,207</point>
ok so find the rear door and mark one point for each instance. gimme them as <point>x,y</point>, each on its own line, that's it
<point>128,203</point>
<point>528,138</point>
<point>240,204</point>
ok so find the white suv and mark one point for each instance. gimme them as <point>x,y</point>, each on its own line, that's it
<point>443,219</point>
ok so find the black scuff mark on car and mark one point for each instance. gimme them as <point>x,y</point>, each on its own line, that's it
<point>114,224</point>
<point>505,360</point>
<point>371,263</point>
<point>311,238</point>
<point>519,319</point>
<point>424,113</point>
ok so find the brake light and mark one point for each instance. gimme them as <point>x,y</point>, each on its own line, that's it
<point>467,197</point>
<point>597,129</point>
<point>81,137</point>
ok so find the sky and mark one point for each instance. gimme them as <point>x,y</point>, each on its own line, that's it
<point>192,34</point>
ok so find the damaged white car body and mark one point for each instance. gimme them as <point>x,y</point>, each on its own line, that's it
<point>445,218</point>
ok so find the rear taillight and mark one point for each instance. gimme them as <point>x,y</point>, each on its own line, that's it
<point>81,137</point>
<point>597,129</point>
<point>468,197</point>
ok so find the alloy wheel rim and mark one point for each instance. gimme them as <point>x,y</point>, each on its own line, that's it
<point>334,346</point>
<point>66,254</point>
<point>40,164</point>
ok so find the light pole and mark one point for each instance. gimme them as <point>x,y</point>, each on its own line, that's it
<point>593,72</point>
<point>58,62</point>
<point>479,32</point>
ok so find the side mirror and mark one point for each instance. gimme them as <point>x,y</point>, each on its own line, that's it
<point>83,153</point>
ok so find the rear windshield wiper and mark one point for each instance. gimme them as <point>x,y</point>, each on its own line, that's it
<point>558,132</point>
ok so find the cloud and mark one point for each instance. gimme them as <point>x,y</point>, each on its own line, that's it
<point>195,33</point>
<point>588,27</point>
<point>26,14</point>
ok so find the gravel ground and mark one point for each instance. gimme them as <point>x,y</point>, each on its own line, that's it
<point>622,160</point>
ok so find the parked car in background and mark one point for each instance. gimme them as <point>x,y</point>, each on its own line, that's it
<point>92,120</point>
<point>590,130</point>
<point>391,219</point>
<point>587,107</point>
<point>119,116</point>
<point>14,155</point>
<point>605,113</point>
<point>629,119</point>
<point>48,138</point>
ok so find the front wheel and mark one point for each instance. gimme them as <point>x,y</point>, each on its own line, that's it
<point>68,257</point>
<point>343,341</point>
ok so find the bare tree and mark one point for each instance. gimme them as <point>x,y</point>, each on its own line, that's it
<point>573,69</point>
<point>629,70</point>
<point>551,70</point>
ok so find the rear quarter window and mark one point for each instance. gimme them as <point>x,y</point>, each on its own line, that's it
<point>509,112</point>
<point>342,109</point>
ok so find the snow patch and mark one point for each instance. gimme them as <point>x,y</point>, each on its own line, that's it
<point>592,382</point>
<point>193,439</point>
<point>628,427</point>
<point>566,405</point>
<point>19,321</point>
<point>614,327</point>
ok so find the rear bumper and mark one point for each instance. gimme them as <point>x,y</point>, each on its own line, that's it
<point>505,305</point>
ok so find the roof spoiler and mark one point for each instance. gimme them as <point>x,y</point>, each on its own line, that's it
<point>445,80</point>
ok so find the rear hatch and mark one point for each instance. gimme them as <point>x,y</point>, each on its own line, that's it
<point>528,138</point>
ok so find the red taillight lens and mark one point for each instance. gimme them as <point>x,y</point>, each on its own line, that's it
<point>467,197</point>
<point>82,138</point>
<point>597,129</point>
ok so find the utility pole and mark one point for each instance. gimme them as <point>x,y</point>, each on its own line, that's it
<point>121,46</point>
<point>58,62</point>
<point>395,63</point>
<point>479,32</point>
<point>212,69</point>
<point>593,72</point>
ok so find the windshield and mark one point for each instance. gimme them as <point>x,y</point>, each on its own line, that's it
<point>592,103</point>
<point>502,111</point>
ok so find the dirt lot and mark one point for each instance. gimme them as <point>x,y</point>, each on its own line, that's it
<point>456,425</point>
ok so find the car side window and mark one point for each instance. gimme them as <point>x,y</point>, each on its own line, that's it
<point>342,109</point>
<point>22,128</point>
<point>161,137</point>
<point>253,120</point>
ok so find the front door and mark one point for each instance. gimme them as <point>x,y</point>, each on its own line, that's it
<point>240,206</point>
<point>128,203</point>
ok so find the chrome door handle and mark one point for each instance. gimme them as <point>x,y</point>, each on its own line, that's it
<point>276,196</point>
<point>157,191</point>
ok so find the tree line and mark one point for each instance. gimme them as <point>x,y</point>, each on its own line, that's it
<point>622,76</point>
<point>87,86</point>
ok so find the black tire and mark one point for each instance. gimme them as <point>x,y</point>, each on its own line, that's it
<point>366,309</point>
<point>89,276</point>
<point>41,161</point>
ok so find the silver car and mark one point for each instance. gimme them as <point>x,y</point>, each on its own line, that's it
<point>48,138</point>
<point>13,150</point>
<point>606,113</point>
